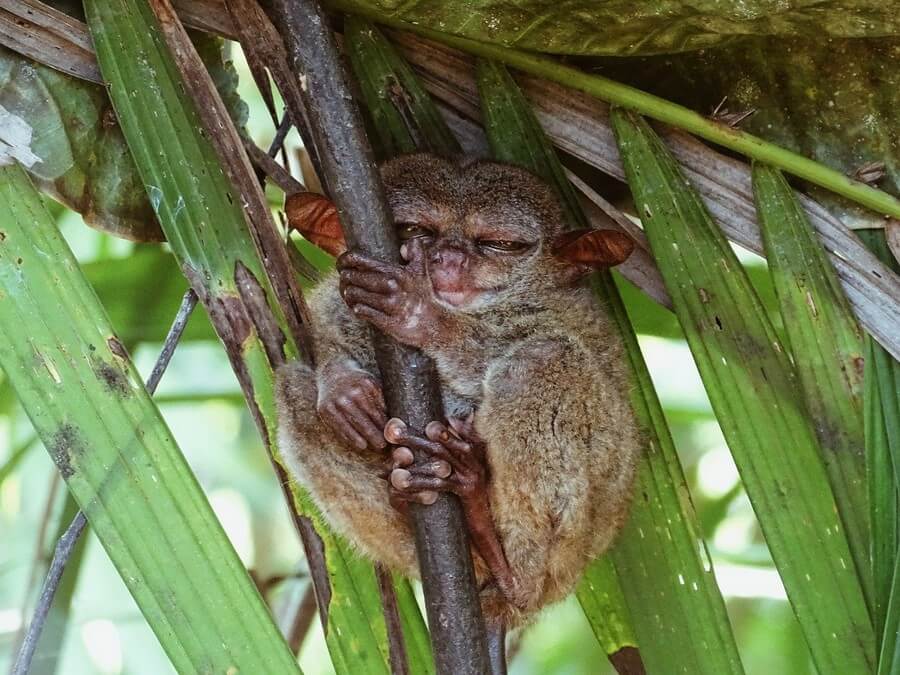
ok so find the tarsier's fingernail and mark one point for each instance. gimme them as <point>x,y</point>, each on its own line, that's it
<point>404,252</point>
<point>434,430</point>
<point>442,469</point>
<point>428,497</point>
<point>402,456</point>
<point>400,478</point>
<point>394,430</point>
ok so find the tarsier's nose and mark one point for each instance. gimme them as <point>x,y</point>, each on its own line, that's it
<point>449,257</point>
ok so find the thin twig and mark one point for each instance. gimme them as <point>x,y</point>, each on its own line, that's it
<point>67,542</point>
<point>396,643</point>
<point>301,619</point>
<point>410,386</point>
<point>188,302</point>
<point>280,134</point>
<point>61,555</point>
<point>272,169</point>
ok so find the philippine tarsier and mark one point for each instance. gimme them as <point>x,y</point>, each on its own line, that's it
<point>540,442</point>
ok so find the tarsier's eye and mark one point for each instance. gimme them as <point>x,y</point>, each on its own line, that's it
<point>506,246</point>
<point>411,231</point>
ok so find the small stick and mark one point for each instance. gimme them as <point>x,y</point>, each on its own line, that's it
<point>66,543</point>
<point>396,643</point>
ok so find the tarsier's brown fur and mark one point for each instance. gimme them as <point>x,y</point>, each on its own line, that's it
<point>534,357</point>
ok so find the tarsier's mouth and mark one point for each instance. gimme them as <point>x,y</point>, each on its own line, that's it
<point>456,298</point>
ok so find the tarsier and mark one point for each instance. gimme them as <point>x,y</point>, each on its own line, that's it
<point>540,441</point>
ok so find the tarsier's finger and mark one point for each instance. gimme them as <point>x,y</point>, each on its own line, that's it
<point>438,433</point>
<point>401,457</point>
<point>375,410</point>
<point>361,423</point>
<point>358,296</point>
<point>358,261</point>
<point>413,252</point>
<point>402,479</point>
<point>374,316</point>
<point>463,427</point>
<point>397,433</point>
<point>338,423</point>
<point>438,468</point>
<point>400,499</point>
<point>370,281</point>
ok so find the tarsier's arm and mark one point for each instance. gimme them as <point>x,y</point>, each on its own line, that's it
<point>350,399</point>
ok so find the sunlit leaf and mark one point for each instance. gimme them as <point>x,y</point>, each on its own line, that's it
<point>86,402</point>
<point>755,394</point>
<point>827,347</point>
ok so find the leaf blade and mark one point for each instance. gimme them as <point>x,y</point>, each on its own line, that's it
<point>779,461</point>
<point>141,498</point>
<point>826,344</point>
<point>206,228</point>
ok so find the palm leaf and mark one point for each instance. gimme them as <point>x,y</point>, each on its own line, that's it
<point>87,404</point>
<point>826,342</point>
<point>206,228</point>
<point>882,425</point>
<point>755,394</point>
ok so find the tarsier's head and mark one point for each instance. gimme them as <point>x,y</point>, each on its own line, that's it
<point>483,228</point>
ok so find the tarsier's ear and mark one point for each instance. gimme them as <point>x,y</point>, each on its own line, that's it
<point>316,218</point>
<point>593,249</point>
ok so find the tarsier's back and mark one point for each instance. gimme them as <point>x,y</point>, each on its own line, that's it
<point>540,441</point>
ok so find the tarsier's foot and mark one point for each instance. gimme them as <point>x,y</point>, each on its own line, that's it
<point>450,460</point>
<point>446,463</point>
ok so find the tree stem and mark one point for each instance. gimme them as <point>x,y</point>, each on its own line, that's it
<point>411,391</point>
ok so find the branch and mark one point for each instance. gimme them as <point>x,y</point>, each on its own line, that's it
<point>66,544</point>
<point>451,599</point>
<point>396,643</point>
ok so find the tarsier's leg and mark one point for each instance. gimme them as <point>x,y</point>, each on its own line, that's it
<point>450,460</point>
<point>344,482</point>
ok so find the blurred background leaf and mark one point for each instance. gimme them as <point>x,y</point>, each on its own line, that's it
<point>834,100</point>
<point>78,154</point>
<point>626,27</point>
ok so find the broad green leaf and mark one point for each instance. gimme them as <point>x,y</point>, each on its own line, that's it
<point>206,229</point>
<point>755,393</point>
<point>882,424</point>
<point>671,600</point>
<point>404,117</point>
<point>107,438</point>
<point>623,27</point>
<point>826,343</point>
<point>72,146</point>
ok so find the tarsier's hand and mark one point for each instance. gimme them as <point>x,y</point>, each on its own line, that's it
<point>351,403</point>
<point>395,299</point>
